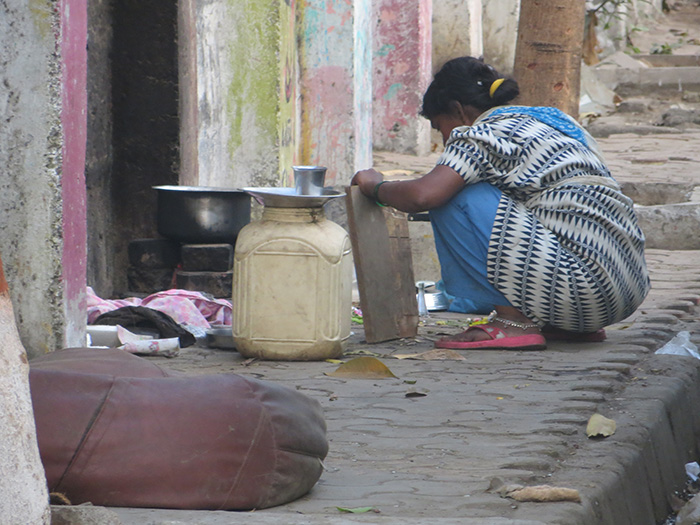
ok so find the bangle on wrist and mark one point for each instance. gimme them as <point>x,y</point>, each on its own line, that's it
<point>375,192</point>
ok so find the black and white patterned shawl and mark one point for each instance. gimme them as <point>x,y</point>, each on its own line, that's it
<point>565,248</point>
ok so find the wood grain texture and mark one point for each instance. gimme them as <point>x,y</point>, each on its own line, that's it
<point>382,254</point>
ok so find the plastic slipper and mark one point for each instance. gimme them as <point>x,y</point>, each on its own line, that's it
<point>556,334</point>
<point>499,340</point>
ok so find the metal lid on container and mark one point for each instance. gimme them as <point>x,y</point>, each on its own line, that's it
<point>288,198</point>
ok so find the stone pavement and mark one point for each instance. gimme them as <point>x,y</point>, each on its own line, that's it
<point>515,416</point>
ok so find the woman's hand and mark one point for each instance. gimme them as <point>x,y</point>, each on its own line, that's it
<point>367,180</point>
<point>425,193</point>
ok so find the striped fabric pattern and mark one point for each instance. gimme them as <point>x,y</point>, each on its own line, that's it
<point>565,247</point>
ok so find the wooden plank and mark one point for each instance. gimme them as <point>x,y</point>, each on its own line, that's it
<point>382,254</point>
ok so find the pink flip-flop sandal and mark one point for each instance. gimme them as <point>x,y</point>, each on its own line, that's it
<point>499,340</point>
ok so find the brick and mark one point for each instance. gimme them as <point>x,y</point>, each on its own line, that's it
<point>218,284</point>
<point>149,280</point>
<point>207,257</point>
<point>154,253</point>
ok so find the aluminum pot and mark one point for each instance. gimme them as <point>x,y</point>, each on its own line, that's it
<point>202,215</point>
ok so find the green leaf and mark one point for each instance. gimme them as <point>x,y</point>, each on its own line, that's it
<point>356,510</point>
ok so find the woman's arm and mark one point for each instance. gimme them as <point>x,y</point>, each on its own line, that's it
<point>430,191</point>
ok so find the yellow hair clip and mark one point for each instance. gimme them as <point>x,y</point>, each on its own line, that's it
<point>495,85</point>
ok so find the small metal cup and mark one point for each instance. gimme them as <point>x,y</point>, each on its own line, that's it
<point>309,180</point>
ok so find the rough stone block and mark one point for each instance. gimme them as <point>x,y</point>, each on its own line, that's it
<point>218,284</point>
<point>149,280</point>
<point>154,253</point>
<point>207,257</point>
<point>83,515</point>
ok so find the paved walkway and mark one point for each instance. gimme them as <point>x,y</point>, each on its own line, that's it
<point>519,417</point>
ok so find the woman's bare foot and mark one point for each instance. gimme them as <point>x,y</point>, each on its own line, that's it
<point>508,319</point>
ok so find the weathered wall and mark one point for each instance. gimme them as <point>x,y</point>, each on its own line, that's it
<point>333,45</point>
<point>267,85</point>
<point>98,162</point>
<point>145,120</point>
<point>232,91</point>
<point>42,191</point>
<point>500,32</point>
<point>401,67</point>
<point>362,67</point>
<point>73,44</point>
<point>457,30</point>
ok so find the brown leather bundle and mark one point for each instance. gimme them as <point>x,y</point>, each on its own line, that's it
<point>117,430</point>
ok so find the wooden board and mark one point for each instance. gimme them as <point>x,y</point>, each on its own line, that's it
<point>382,254</point>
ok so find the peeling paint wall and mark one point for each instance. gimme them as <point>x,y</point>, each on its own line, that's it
<point>270,84</point>
<point>333,44</point>
<point>73,194</point>
<point>42,230</point>
<point>238,125</point>
<point>251,92</point>
<point>363,82</point>
<point>402,72</point>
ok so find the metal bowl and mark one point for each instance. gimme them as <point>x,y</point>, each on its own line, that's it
<point>201,214</point>
<point>220,337</point>
<point>436,302</point>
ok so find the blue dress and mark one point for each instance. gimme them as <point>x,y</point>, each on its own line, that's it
<point>541,224</point>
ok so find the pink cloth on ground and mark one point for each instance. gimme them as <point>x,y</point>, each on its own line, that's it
<point>97,306</point>
<point>184,306</point>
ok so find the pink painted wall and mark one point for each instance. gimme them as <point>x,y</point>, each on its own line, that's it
<point>402,72</point>
<point>73,46</point>
<point>332,69</point>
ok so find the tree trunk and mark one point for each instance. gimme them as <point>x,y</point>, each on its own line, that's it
<point>548,53</point>
<point>23,493</point>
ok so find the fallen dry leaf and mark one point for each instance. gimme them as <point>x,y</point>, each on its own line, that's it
<point>362,368</point>
<point>438,354</point>
<point>543,493</point>
<point>600,426</point>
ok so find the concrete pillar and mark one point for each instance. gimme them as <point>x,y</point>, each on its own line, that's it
<point>238,73</point>
<point>457,30</point>
<point>500,22</point>
<point>42,151</point>
<point>402,72</point>
<point>335,86</point>
<point>24,496</point>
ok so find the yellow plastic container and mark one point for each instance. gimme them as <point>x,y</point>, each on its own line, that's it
<point>292,279</point>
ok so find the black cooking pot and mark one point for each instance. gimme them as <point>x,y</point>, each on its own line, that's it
<point>202,215</point>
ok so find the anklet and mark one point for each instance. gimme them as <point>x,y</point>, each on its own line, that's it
<point>516,324</point>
